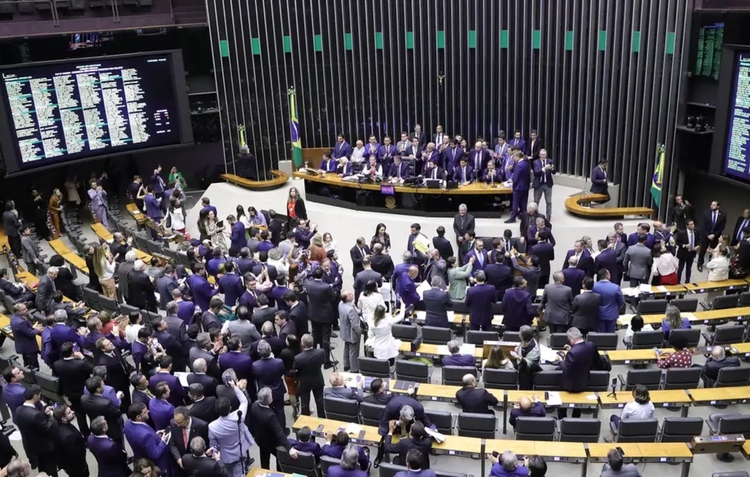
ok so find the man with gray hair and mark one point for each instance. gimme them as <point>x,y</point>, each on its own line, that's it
<point>576,366</point>
<point>506,464</point>
<point>308,366</point>
<point>349,463</point>
<point>243,328</point>
<point>206,349</point>
<point>715,363</point>
<point>265,423</point>
<point>199,376</point>
<point>141,289</point>
<point>463,222</point>
<point>574,276</point>
<point>268,372</point>
<point>473,399</point>
<point>437,300</point>
<point>122,272</point>
<point>120,246</point>
<point>45,291</point>
<point>456,358</point>
<point>479,301</point>
<point>556,302</point>
<point>200,464</point>
<point>351,331</point>
<point>435,267</point>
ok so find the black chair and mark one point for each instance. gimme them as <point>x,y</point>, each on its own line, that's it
<point>725,301</point>
<point>603,341</point>
<point>108,304</point>
<point>436,335</point>
<point>454,375</point>
<point>500,378</point>
<point>390,470</point>
<point>728,423</point>
<point>691,335</point>
<point>680,429</point>
<point>482,426</point>
<point>413,371</point>
<point>513,336</point>
<point>370,413</point>
<point>326,462</point>
<point>304,464</point>
<point>558,340</point>
<point>547,380</point>
<point>459,307</point>
<point>91,298</point>
<point>479,337</point>
<point>738,376</point>
<point>346,410</point>
<point>50,387</point>
<point>579,429</point>
<point>725,335</point>
<point>635,430</point>
<point>535,428</point>
<point>443,473</point>
<point>377,368</point>
<point>652,307</point>
<point>681,378</point>
<point>126,309</point>
<point>685,305</point>
<point>647,339</point>
<point>598,381</point>
<point>744,299</point>
<point>404,332</point>
<point>149,316</point>
<point>443,420</point>
<point>651,378</point>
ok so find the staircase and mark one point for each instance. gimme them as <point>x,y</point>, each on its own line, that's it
<point>189,12</point>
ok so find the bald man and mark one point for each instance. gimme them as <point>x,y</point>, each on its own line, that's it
<point>716,363</point>
<point>406,287</point>
<point>526,407</point>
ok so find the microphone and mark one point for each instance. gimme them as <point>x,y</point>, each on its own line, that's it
<point>614,389</point>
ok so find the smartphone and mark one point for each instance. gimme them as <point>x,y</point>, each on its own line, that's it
<point>495,453</point>
<point>227,380</point>
<point>220,223</point>
<point>76,348</point>
<point>619,449</point>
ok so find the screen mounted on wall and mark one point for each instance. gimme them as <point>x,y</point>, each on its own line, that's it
<point>65,111</point>
<point>737,151</point>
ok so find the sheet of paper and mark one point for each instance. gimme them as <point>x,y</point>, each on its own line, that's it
<point>644,288</point>
<point>554,399</point>
<point>547,354</point>
<point>182,376</point>
<point>627,291</point>
<point>662,288</point>
<point>353,428</point>
<point>625,319</point>
<point>424,286</point>
<point>351,380</point>
<point>468,348</point>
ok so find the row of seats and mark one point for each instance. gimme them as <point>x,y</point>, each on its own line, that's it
<point>62,6</point>
<point>658,306</point>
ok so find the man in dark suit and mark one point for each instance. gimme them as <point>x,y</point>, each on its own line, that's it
<point>456,358</point>
<point>585,308</point>
<point>16,291</point>
<point>118,369</point>
<point>478,159</point>
<point>573,276</point>
<point>199,375</point>
<point>165,284</point>
<point>263,313</point>
<point>466,246</point>
<point>463,173</point>
<point>521,176</point>
<point>556,301</point>
<point>442,244</point>
<point>95,405</point>
<point>436,302</point>
<point>297,312</point>
<point>433,171</point>
<point>681,212</point>
<point>164,373</point>
<point>419,135</point>
<point>265,423</point>
<point>183,429</point>
<point>141,289</point>
<point>688,244</point>
<point>544,169</point>
<point>241,363</point>
<point>544,251</point>
<point>398,171</point>
<point>267,334</point>
<point>367,274</point>
<point>381,262</point>
<point>741,224</point>
<point>25,335</point>
<point>73,370</point>
<point>110,455</point>
<point>268,371</point>
<point>607,258</point>
<point>141,392</point>
<point>38,430</point>
<point>599,183</point>
<point>198,464</point>
<point>576,367</point>
<point>535,145</point>
<point>378,394</point>
<point>406,410</point>
<point>714,223</point>
<point>357,254</point>
<point>307,368</point>
<point>499,274</point>
<point>45,291</point>
<point>71,443</point>
<point>481,257</point>
<point>203,408</point>
<point>479,301</point>
<point>585,262</point>
<point>517,306</point>
<point>473,399</point>
<point>321,297</point>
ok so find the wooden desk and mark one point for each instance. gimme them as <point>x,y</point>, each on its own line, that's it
<point>441,392</point>
<point>597,451</point>
<point>77,261</point>
<point>139,217</point>
<point>430,351</point>
<point>279,179</point>
<point>5,322</point>
<point>573,205</point>
<point>657,291</point>
<point>746,449</point>
<point>701,287</point>
<point>102,232</point>
<point>457,445</point>
<point>665,452</point>
<point>370,437</point>
<point>28,278</point>
<point>258,472</point>
<point>708,317</point>
<point>661,398</point>
<point>711,396</point>
<point>474,188</point>
<point>59,247</point>
<point>520,448</point>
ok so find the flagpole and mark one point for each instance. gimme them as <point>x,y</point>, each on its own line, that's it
<point>295,129</point>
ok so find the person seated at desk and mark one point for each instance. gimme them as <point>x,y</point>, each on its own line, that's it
<point>398,171</point>
<point>378,394</point>
<point>348,466</point>
<point>433,171</point>
<point>640,407</point>
<point>715,363</point>
<point>492,175</point>
<point>75,311</point>
<point>463,173</point>
<point>497,360</point>
<point>305,442</point>
<point>417,441</point>
<point>338,390</point>
<point>526,407</point>
<point>18,292</point>
<point>344,168</point>
<point>336,445</point>
<point>682,357</point>
<point>456,359</point>
<point>328,164</point>
<point>373,170</point>
<point>506,465</point>
<point>616,468</point>
<point>473,399</point>
<point>636,325</point>
<point>673,321</point>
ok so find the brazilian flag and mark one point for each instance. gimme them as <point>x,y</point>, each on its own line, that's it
<point>294,124</point>
<point>656,181</point>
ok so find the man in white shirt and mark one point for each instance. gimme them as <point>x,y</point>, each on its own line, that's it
<point>358,153</point>
<point>133,327</point>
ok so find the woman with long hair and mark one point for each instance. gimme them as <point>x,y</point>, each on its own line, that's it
<point>104,264</point>
<point>497,360</point>
<point>176,177</point>
<point>177,216</point>
<point>317,251</point>
<point>88,254</point>
<point>295,206</point>
<point>640,407</point>
<point>256,218</point>
<point>242,217</point>
<point>202,217</point>
<point>673,320</point>
<point>54,210</point>
<point>380,337</point>
<point>287,355</point>
<point>381,237</point>
<point>328,242</point>
<point>214,232</point>
<point>527,356</point>
<point>370,299</point>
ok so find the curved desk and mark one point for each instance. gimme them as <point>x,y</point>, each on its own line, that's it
<point>279,178</point>
<point>573,204</point>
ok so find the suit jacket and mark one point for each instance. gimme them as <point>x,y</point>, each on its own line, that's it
<point>73,374</point>
<point>176,392</point>
<point>12,223</point>
<point>585,262</point>
<point>110,456</point>
<point>209,321</point>
<point>95,405</point>
<point>145,443</point>
<point>72,447</point>
<point>479,163</point>
<point>517,308</point>
<point>165,284</point>
<point>37,432</point>
<point>64,283</point>
<point>209,383</point>
<point>459,360</point>
<point>123,270</point>
<point>349,322</point>
<point>24,335</point>
<point>203,466</point>
<point>576,367</point>
<point>341,149</point>
<point>177,444</point>
<point>540,173</point>
<point>394,170</point>
<point>599,181</point>
<point>357,256</point>
<point>407,289</point>
<point>241,363</point>
<point>393,411</point>
<point>262,315</point>
<point>611,300</point>
<point>320,298</point>
<point>361,279</point>
<point>608,259</point>
<point>443,245</point>
<point>478,265</point>
<point>638,262</point>
<point>585,311</point>
<point>650,240</point>
<point>521,176</point>
<point>269,373</point>
<point>205,409</point>
<point>574,279</point>
<point>528,221</point>
<point>477,400</point>
<point>44,292</point>
<point>537,410</point>
<point>436,303</point>
<point>479,300</point>
<point>682,240</point>
<point>341,392</point>
<point>202,291</point>
<point>716,228</point>
<point>29,250</point>
<point>298,314</point>
<point>545,252</point>
<point>141,291</point>
<point>436,268</point>
<point>383,264</point>
<point>458,174</point>
<point>500,277</point>
<point>533,147</point>
<point>308,365</point>
<point>403,446</point>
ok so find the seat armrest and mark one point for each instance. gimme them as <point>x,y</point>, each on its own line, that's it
<point>704,306</point>
<point>622,381</point>
<point>711,427</point>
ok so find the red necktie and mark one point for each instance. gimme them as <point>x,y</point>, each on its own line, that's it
<point>185,437</point>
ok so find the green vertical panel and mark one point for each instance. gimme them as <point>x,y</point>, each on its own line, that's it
<point>224,48</point>
<point>472,38</point>
<point>409,40</point>
<point>348,41</point>
<point>636,41</point>
<point>256,46</point>
<point>602,40</point>
<point>318,42</point>
<point>670,43</point>
<point>287,44</point>
<point>569,38</point>
<point>441,39</point>
<point>379,40</point>
<point>536,39</point>
<point>504,39</point>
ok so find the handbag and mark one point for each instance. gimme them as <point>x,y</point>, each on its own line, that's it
<point>735,270</point>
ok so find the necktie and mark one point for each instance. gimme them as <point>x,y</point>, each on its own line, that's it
<point>476,161</point>
<point>185,437</point>
<point>690,238</point>
<point>507,245</point>
<point>480,257</point>
<point>713,220</point>
<point>739,232</point>
<point>434,172</point>
<point>399,170</point>
<point>544,174</point>
<point>463,174</point>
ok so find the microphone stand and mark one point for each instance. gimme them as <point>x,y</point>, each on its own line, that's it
<point>244,458</point>
<point>614,391</point>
